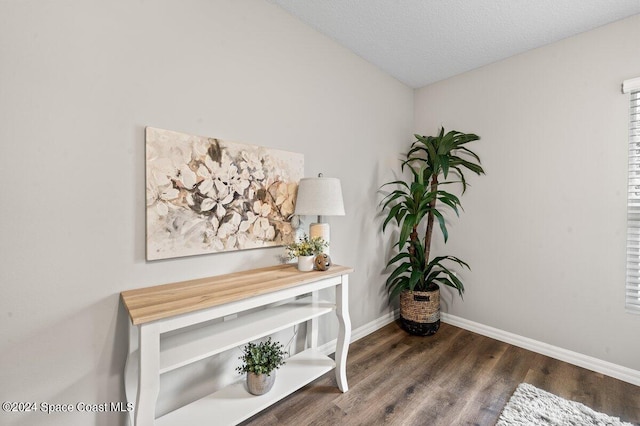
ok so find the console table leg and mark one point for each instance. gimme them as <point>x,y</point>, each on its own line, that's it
<point>344,332</point>
<point>148,375</point>
<point>130,371</point>
<point>312,325</point>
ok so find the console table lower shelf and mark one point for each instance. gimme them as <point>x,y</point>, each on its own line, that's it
<point>233,404</point>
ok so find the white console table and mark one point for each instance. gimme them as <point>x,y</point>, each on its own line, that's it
<point>155,311</point>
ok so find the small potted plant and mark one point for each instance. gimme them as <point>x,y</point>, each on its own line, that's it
<point>306,249</point>
<point>260,361</point>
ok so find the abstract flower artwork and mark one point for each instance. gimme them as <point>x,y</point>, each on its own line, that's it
<point>206,195</point>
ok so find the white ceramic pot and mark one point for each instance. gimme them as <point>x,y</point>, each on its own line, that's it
<point>305,263</point>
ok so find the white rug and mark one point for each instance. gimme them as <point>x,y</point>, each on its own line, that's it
<point>534,407</point>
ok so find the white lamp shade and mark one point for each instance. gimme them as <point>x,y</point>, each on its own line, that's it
<point>319,196</point>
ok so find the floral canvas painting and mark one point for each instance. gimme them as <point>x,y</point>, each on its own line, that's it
<point>206,195</point>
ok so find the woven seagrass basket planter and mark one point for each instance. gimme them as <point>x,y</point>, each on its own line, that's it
<point>420,311</point>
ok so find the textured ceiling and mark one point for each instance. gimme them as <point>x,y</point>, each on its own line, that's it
<point>423,41</point>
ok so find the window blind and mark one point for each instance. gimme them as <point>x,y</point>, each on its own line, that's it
<point>633,206</point>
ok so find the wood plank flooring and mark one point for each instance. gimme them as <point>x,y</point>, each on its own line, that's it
<point>455,377</point>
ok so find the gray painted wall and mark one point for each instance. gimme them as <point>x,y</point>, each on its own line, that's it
<point>79,81</point>
<point>545,229</point>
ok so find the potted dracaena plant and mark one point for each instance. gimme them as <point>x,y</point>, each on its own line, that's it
<point>433,161</point>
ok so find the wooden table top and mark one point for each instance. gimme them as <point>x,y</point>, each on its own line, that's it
<point>167,300</point>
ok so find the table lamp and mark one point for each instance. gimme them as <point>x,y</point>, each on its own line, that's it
<point>320,197</point>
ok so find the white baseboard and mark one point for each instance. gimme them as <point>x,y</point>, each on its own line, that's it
<point>594,364</point>
<point>374,325</point>
<point>360,332</point>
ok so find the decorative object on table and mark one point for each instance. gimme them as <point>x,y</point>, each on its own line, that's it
<point>260,361</point>
<point>322,262</point>
<point>532,406</point>
<point>433,161</point>
<point>306,249</point>
<point>206,195</point>
<point>320,197</point>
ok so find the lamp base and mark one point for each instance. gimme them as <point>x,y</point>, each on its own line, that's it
<point>320,230</point>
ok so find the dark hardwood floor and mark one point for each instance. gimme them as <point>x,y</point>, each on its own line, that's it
<point>455,377</point>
